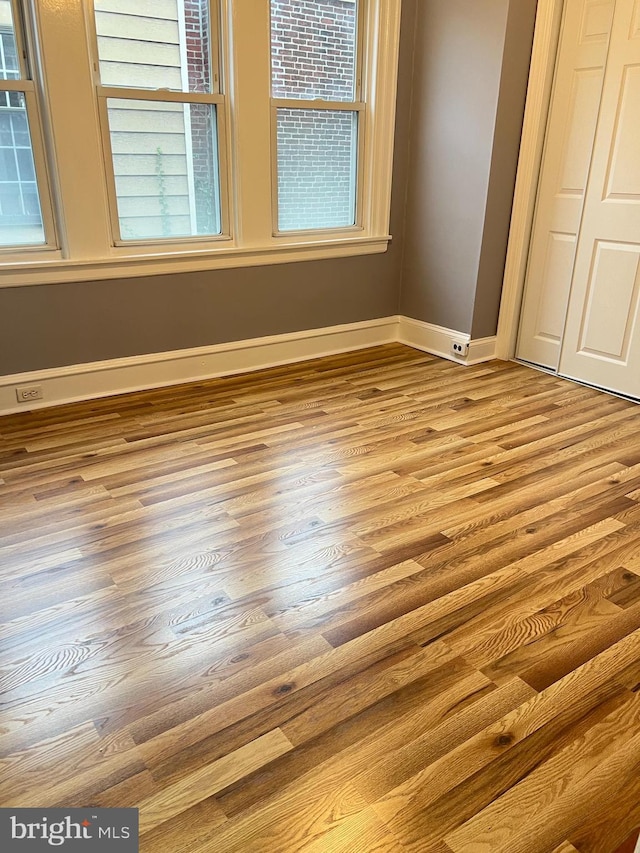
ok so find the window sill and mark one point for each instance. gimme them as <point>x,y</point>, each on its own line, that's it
<point>55,271</point>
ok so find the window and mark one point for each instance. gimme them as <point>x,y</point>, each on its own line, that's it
<point>159,100</point>
<point>193,134</point>
<point>21,217</point>
<point>315,84</point>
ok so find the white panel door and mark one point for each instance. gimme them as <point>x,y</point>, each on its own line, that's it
<point>571,130</point>
<point>601,343</point>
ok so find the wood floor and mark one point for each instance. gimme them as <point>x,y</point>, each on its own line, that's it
<point>375,602</point>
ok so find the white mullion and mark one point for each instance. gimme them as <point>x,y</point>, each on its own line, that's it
<point>275,203</point>
<point>223,60</point>
<point>157,95</point>
<point>362,26</point>
<point>380,73</point>
<point>3,61</point>
<point>362,12</point>
<point>188,139</point>
<point>224,179</point>
<point>18,26</point>
<point>249,92</point>
<point>110,172</point>
<point>360,149</point>
<point>74,128</point>
<point>214,46</point>
<point>300,104</point>
<point>17,86</point>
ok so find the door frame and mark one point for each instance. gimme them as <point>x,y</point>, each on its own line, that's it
<point>539,92</point>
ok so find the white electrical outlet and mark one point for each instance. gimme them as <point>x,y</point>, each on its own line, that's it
<point>460,348</point>
<point>28,393</point>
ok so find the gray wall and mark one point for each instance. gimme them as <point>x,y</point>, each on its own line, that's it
<point>460,99</point>
<point>504,163</point>
<point>53,325</point>
<point>470,77</point>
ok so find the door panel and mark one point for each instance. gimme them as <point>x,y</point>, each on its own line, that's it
<point>552,303</point>
<point>601,343</point>
<point>624,172</point>
<point>568,149</point>
<point>635,27</point>
<point>611,301</point>
<point>596,21</point>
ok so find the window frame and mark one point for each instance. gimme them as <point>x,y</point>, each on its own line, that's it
<point>216,99</point>
<point>357,105</point>
<point>73,132</point>
<point>25,84</point>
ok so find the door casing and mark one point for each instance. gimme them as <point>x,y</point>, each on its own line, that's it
<point>543,63</point>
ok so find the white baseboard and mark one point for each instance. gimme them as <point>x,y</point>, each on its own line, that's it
<point>437,341</point>
<point>135,373</point>
<point>429,338</point>
<point>482,349</point>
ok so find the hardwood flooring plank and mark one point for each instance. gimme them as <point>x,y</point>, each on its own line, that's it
<point>588,686</point>
<point>606,831</point>
<point>561,661</point>
<point>183,833</point>
<point>350,747</point>
<point>494,826</point>
<point>159,741</point>
<point>591,555</point>
<point>613,776</point>
<point>290,821</point>
<point>363,690</point>
<point>208,780</point>
<point>391,771</point>
<point>427,818</point>
<point>444,610</point>
<point>364,831</point>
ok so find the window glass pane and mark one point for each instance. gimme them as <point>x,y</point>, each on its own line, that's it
<point>25,165</point>
<point>9,66</point>
<point>165,161</point>
<point>20,214</point>
<point>6,137</point>
<point>317,152</point>
<point>20,128</point>
<point>313,49</point>
<point>164,44</point>
<point>8,164</point>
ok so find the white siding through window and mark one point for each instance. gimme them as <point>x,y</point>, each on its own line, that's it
<point>150,165</point>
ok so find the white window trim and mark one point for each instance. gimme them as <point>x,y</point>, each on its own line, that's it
<point>184,76</point>
<point>88,252</point>
<point>25,44</point>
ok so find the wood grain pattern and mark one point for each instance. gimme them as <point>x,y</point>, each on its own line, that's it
<point>376,602</point>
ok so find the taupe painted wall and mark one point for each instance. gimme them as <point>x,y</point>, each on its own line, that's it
<point>471,70</point>
<point>504,164</point>
<point>53,325</point>
<point>462,76</point>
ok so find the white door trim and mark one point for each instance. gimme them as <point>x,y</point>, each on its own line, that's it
<point>543,61</point>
